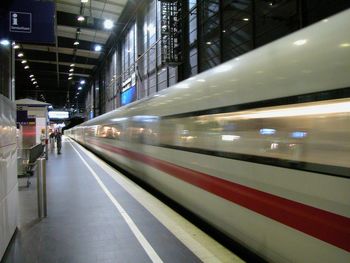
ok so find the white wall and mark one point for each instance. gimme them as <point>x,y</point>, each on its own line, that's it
<point>8,173</point>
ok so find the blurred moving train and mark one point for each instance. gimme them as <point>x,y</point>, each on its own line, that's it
<point>259,146</point>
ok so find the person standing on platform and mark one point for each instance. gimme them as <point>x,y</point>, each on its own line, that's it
<point>52,140</point>
<point>59,141</point>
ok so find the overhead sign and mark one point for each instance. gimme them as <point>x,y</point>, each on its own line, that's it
<point>58,114</point>
<point>27,20</point>
<point>20,22</point>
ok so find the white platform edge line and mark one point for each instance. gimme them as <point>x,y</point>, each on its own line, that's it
<point>142,240</point>
<point>191,236</point>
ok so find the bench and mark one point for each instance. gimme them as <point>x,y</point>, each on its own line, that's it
<point>27,158</point>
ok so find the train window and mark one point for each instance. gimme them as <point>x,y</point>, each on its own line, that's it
<point>308,132</point>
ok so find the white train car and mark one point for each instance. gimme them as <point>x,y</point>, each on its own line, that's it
<point>258,147</point>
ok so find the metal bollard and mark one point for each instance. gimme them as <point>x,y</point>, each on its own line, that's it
<point>44,187</point>
<point>41,187</point>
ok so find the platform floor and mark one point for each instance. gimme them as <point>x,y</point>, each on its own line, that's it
<point>96,214</point>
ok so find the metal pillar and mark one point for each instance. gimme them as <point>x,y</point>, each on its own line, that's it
<point>41,187</point>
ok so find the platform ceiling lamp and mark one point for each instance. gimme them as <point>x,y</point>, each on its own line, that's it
<point>108,24</point>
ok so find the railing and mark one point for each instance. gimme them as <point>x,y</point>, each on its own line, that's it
<point>132,68</point>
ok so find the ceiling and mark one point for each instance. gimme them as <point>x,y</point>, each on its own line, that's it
<point>51,64</point>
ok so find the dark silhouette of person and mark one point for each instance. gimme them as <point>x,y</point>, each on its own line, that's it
<point>59,141</point>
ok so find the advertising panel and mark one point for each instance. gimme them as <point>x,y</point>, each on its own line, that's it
<point>128,95</point>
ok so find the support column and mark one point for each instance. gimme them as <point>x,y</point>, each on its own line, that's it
<point>6,69</point>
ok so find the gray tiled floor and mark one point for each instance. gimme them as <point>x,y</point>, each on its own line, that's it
<point>82,223</point>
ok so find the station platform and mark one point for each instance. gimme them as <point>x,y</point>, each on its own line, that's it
<point>96,214</point>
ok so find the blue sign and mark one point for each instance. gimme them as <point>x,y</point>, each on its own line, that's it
<point>27,20</point>
<point>20,22</point>
<point>129,95</point>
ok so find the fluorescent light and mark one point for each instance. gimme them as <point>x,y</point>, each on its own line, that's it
<point>70,78</point>
<point>33,79</point>
<point>71,70</point>
<point>35,82</point>
<point>84,1</point>
<point>72,65</point>
<point>81,18</point>
<point>246,19</point>
<point>208,43</point>
<point>80,88</point>
<point>16,46</point>
<point>20,55</point>
<point>230,138</point>
<point>24,61</point>
<point>345,45</point>
<point>82,82</point>
<point>108,24</point>
<point>4,42</point>
<point>300,42</point>
<point>31,76</point>
<point>98,48</point>
<point>76,43</point>
<point>26,67</point>
<point>70,74</point>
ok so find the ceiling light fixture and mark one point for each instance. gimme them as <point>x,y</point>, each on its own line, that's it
<point>80,88</point>
<point>24,61</point>
<point>98,48</point>
<point>246,19</point>
<point>108,24</point>
<point>31,76</point>
<point>81,18</point>
<point>70,74</point>
<point>37,86</point>
<point>4,42</point>
<point>84,1</point>
<point>72,65</point>
<point>33,79</point>
<point>300,42</point>
<point>71,70</point>
<point>26,67</point>
<point>35,82</point>
<point>16,46</point>
<point>20,55</point>
<point>76,43</point>
<point>82,82</point>
<point>70,78</point>
<point>345,45</point>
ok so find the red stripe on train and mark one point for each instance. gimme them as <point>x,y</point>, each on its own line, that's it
<point>326,226</point>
